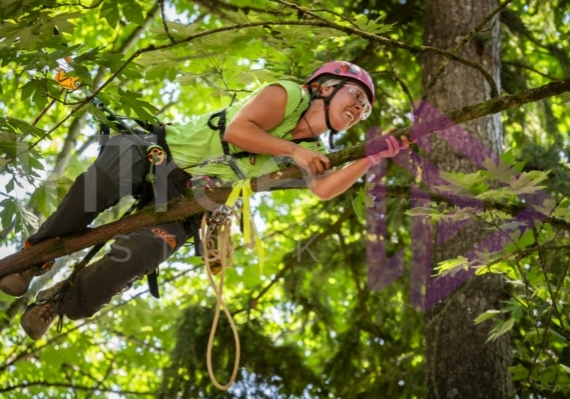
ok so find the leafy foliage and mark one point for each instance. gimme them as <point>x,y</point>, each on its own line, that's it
<point>310,325</point>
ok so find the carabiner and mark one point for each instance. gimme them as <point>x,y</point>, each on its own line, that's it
<point>220,215</point>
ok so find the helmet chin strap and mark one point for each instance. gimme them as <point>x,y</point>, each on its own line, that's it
<point>332,131</point>
<point>327,100</point>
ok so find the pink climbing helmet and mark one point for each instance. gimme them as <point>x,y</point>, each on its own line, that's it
<point>348,71</point>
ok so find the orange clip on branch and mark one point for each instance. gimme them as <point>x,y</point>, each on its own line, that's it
<point>67,82</point>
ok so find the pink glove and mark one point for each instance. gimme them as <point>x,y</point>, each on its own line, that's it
<point>394,147</point>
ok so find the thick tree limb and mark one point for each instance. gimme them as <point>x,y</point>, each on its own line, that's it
<point>289,177</point>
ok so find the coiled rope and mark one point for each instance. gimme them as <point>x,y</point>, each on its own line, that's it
<point>217,249</point>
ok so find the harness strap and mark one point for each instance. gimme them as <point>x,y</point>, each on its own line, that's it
<point>159,131</point>
<point>230,157</point>
<point>156,156</point>
<point>327,101</point>
<point>156,153</point>
<point>152,281</point>
<point>221,126</point>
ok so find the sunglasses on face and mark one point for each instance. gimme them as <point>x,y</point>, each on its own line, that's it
<point>362,99</point>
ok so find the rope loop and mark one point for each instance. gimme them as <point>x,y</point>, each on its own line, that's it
<point>217,249</point>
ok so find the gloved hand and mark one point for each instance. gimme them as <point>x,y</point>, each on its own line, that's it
<point>394,147</point>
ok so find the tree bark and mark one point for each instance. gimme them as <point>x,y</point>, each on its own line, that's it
<point>460,361</point>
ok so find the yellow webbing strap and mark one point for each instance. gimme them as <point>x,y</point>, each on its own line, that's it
<point>243,188</point>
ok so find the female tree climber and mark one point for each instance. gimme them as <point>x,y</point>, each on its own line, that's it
<point>280,122</point>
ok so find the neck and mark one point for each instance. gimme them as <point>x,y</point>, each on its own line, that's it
<point>312,123</point>
<point>308,125</point>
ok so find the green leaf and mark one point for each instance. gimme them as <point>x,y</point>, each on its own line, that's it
<point>452,266</point>
<point>548,206</point>
<point>525,240</point>
<point>562,212</point>
<point>527,182</point>
<point>489,314</point>
<point>9,208</point>
<point>132,103</point>
<point>502,172</point>
<point>501,328</point>
<point>63,21</point>
<point>10,185</point>
<point>160,65</point>
<point>9,8</point>
<point>35,90</point>
<point>110,12</point>
<point>177,30</point>
<point>29,89</point>
<point>26,221</point>
<point>518,372</point>
<point>375,27</point>
<point>132,11</point>
<point>464,183</point>
<point>359,203</point>
<point>24,127</point>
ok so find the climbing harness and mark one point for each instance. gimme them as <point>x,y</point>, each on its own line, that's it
<point>228,156</point>
<point>215,229</point>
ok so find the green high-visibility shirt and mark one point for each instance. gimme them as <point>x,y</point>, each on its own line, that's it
<point>195,143</point>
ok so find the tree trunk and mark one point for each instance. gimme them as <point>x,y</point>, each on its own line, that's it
<point>461,362</point>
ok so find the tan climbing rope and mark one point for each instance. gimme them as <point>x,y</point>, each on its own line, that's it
<point>217,249</point>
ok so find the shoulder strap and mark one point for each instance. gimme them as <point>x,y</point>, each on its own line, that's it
<point>221,126</point>
<point>159,131</point>
<point>231,157</point>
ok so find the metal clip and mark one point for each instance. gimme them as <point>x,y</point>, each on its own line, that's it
<point>67,82</point>
<point>220,215</point>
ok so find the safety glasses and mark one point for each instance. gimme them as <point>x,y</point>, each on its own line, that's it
<point>362,99</point>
